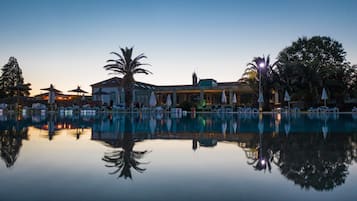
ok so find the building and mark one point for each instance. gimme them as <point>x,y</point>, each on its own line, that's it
<point>110,92</point>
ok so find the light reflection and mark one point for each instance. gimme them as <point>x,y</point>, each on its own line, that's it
<point>263,149</point>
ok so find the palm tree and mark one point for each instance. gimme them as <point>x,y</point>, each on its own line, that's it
<point>251,76</point>
<point>127,67</point>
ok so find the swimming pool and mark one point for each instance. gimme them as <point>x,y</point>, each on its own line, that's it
<point>201,157</point>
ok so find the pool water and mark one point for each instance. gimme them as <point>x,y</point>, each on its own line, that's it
<point>201,157</point>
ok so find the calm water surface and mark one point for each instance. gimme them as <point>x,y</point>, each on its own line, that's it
<point>206,157</point>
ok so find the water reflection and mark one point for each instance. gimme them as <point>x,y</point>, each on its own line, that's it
<point>309,159</point>
<point>312,152</point>
<point>11,135</point>
<point>124,159</point>
<point>263,158</point>
<point>314,163</point>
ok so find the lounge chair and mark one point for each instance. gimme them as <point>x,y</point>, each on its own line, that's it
<point>3,108</point>
<point>312,110</point>
<point>354,110</point>
<point>334,110</point>
<point>255,110</point>
<point>295,110</point>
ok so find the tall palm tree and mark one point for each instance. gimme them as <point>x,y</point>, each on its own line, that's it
<point>127,66</point>
<point>267,76</point>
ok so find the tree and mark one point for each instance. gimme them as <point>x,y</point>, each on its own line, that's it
<point>12,133</point>
<point>309,65</point>
<point>11,80</point>
<point>127,67</point>
<point>353,82</point>
<point>251,76</point>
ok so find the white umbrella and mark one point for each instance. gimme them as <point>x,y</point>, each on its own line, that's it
<point>287,129</point>
<point>224,97</point>
<point>152,124</point>
<point>168,124</point>
<point>286,96</point>
<point>168,101</point>
<point>324,96</point>
<point>324,131</point>
<point>287,99</point>
<point>234,99</point>
<point>152,101</point>
<point>224,127</point>
<point>234,127</point>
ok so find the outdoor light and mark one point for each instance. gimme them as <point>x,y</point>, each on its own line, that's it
<point>260,96</point>
<point>261,65</point>
<point>262,162</point>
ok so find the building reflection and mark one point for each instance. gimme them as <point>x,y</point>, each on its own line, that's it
<point>53,124</point>
<point>315,158</point>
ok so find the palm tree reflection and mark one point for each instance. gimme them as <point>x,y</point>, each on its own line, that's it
<point>124,159</point>
<point>261,158</point>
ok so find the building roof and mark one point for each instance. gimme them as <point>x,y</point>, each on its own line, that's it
<point>112,82</point>
<point>203,84</point>
<point>116,81</point>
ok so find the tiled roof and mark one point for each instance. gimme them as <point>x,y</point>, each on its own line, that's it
<point>116,81</point>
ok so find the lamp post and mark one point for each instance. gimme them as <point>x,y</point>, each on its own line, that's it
<point>260,97</point>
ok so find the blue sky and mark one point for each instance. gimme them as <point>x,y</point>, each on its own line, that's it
<point>67,42</point>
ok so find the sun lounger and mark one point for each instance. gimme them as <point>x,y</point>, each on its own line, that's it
<point>354,109</point>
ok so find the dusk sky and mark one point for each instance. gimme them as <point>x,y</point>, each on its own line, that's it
<point>67,42</point>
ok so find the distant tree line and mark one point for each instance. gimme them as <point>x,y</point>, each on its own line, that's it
<point>11,80</point>
<point>303,70</point>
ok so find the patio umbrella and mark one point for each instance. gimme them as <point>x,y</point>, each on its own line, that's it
<point>224,97</point>
<point>152,101</point>
<point>287,98</point>
<point>51,88</point>
<point>152,125</point>
<point>168,124</point>
<point>287,129</point>
<point>78,90</point>
<point>234,99</point>
<point>51,94</point>
<point>224,127</point>
<point>235,127</point>
<point>324,96</point>
<point>168,101</point>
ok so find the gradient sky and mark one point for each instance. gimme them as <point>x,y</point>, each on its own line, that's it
<point>67,42</point>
